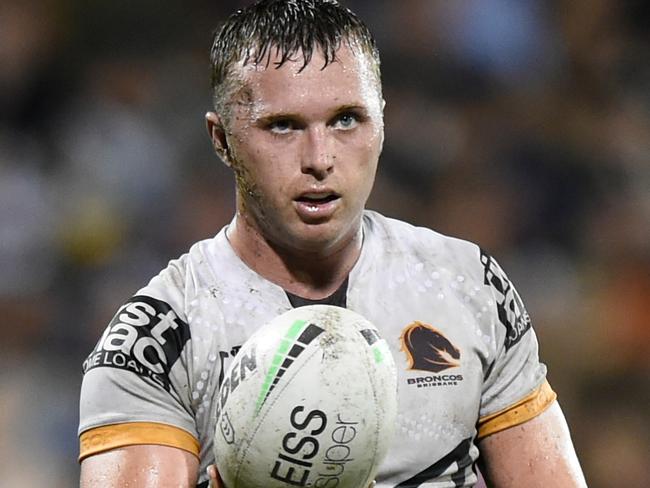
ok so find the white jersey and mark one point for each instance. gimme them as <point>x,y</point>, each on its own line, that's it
<point>461,338</point>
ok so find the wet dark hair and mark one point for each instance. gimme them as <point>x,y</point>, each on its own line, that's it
<point>288,27</point>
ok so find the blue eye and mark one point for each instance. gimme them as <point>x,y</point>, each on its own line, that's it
<point>346,121</point>
<point>281,126</point>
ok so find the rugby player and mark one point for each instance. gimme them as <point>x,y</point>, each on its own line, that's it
<point>298,116</point>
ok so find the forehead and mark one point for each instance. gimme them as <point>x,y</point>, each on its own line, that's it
<point>349,80</point>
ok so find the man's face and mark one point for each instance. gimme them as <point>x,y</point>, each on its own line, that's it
<point>304,146</point>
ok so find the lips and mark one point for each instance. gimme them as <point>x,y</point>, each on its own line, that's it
<point>317,205</point>
<point>317,198</point>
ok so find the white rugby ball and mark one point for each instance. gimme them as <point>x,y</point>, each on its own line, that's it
<point>309,400</point>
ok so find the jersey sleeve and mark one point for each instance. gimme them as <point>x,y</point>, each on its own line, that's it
<point>515,389</point>
<point>135,384</point>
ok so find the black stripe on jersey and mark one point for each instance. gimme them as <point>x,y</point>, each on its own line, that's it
<point>510,308</point>
<point>338,299</point>
<point>460,455</point>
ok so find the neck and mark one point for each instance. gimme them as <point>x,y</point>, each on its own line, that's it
<point>308,274</point>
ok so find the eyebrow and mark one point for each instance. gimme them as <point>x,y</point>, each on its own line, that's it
<point>352,107</point>
<point>277,116</point>
<point>296,116</point>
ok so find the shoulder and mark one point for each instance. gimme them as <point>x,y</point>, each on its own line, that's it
<point>397,236</point>
<point>186,275</point>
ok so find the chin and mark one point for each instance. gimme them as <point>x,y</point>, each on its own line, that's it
<point>320,238</point>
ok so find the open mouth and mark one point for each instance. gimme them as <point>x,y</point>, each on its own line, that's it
<point>317,206</point>
<point>317,199</point>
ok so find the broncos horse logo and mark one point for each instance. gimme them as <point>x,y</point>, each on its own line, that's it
<point>427,349</point>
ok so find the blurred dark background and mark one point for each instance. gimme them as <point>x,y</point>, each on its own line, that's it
<point>523,125</point>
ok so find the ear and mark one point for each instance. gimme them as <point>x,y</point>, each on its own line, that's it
<point>383,106</point>
<point>217,134</point>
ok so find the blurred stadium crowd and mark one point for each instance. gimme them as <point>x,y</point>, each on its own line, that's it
<point>523,125</point>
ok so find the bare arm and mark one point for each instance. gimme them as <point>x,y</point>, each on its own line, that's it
<point>537,453</point>
<point>146,466</point>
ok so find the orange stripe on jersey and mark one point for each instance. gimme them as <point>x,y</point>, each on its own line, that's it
<point>525,409</point>
<point>109,437</point>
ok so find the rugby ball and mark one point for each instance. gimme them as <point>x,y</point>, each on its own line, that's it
<point>309,400</point>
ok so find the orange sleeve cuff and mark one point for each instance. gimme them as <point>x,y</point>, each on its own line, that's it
<point>525,409</point>
<point>109,437</point>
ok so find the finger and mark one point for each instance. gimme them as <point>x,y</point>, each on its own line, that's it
<point>215,479</point>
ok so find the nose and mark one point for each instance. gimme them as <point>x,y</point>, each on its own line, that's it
<point>317,158</point>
